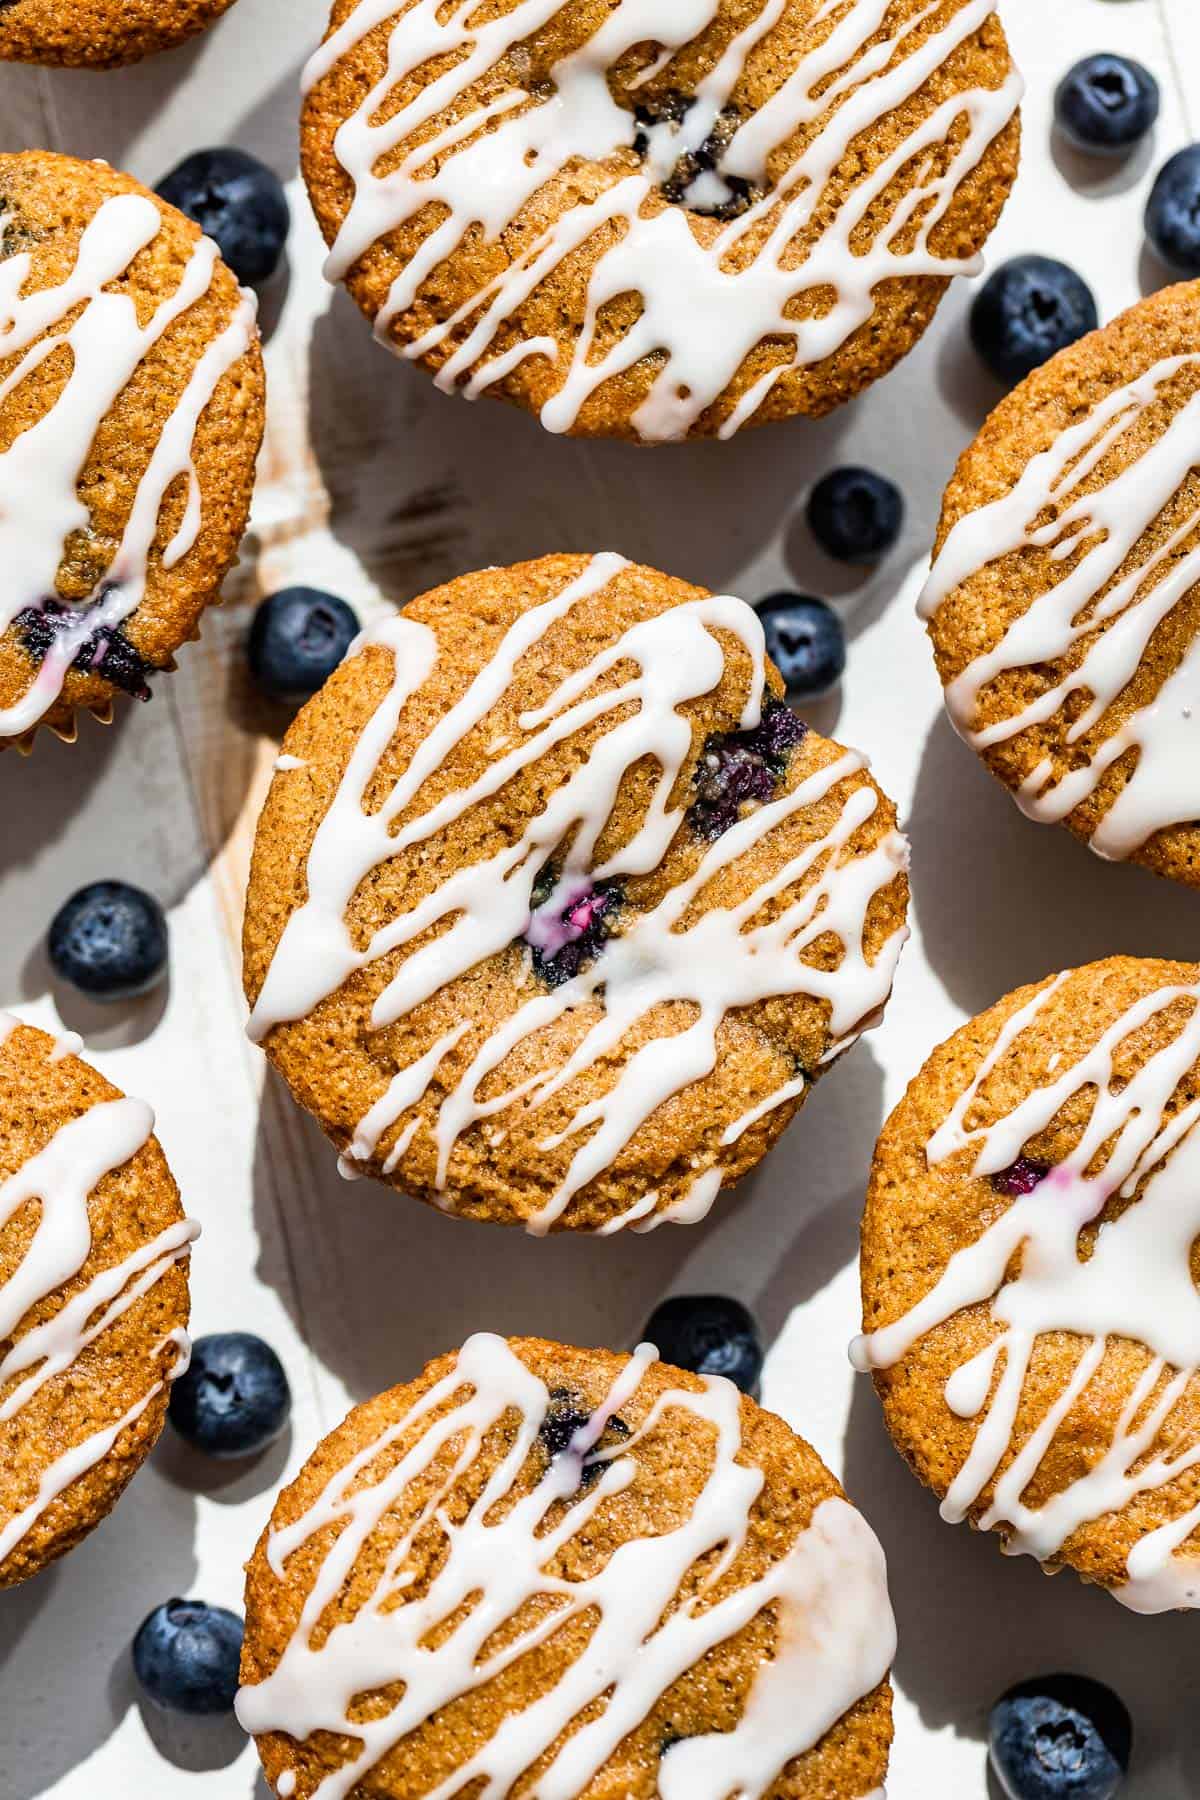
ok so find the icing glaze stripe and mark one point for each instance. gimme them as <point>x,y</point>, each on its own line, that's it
<point>835,1635</point>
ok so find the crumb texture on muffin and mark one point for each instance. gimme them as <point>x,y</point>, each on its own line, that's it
<point>545,1569</point>
<point>93,1295</point>
<point>560,911</point>
<point>1030,1270</point>
<point>131,410</point>
<point>658,221</point>
<point>99,34</point>
<point>1064,603</point>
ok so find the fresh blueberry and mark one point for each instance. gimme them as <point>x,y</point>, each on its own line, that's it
<point>186,1657</point>
<point>1020,1177</point>
<point>1173,212</point>
<point>856,515</point>
<point>710,1334</point>
<point>297,639</point>
<point>1105,104</point>
<point>1064,1737</point>
<point>743,768</point>
<point>237,200</point>
<point>234,1398</point>
<point>110,941</point>
<point>805,641</point>
<point>1026,312</point>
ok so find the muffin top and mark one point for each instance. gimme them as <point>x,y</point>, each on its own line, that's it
<point>131,412</point>
<point>1030,1270</point>
<point>537,1566</point>
<point>654,221</point>
<point>99,34</point>
<point>93,1295</point>
<point>556,910</point>
<point>1064,604</point>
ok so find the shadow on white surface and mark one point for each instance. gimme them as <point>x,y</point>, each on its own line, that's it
<point>1002,901</point>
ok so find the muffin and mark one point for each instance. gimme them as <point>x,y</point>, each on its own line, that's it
<point>1064,603</point>
<point>652,222</point>
<point>1029,1276</point>
<point>99,34</point>
<point>537,1566</point>
<point>556,911</point>
<point>93,1295</point>
<point>131,412</point>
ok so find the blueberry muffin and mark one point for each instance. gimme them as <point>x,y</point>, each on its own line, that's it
<point>556,911</point>
<point>1030,1270</point>
<point>99,34</point>
<point>537,1566</point>
<point>131,412</point>
<point>93,1295</point>
<point>655,223</point>
<point>1064,604</point>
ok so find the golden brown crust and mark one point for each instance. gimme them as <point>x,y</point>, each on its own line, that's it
<point>46,202</point>
<point>99,34</point>
<point>127,1209</point>
<point>918,1216</point>
<point>673,1462</point>
<point>338,1067</point>
<point>557,308</point>
<point>974,617</point>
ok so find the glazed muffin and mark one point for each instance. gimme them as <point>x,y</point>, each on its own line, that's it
<point>93,1295</point>
<point>99,34</point>
<point>648,223</point>
<point>1064,604</point>
<point>131,412</point>
<point>556,911</point>
<point>593,1574</point>
<point>1029,1276</point>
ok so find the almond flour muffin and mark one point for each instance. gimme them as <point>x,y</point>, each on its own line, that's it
<point>1064,604</point>
<point>1030,1270</point>
<point>99,34</point>
<point>131,412</point>
<point>595,1574</point>
<point>93,1295</point>
<point>556,911</point>
<point>654,222</point>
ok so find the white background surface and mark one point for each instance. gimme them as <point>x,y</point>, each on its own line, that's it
<point>375,484</point>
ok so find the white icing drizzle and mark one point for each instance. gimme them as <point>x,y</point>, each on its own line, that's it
<point>1136,1285</point>
<point>60,1177</point>
<point>40,506</point>
<point>835,1634</point>
<point>719,962</point>
<point>708,294</point>
<point>1091,538</point>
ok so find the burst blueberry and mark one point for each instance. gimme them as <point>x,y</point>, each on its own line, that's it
<point>186,1656</point>
<point>107,652</point>
<point>738,769</point>
<point>297,639</point>
<point>805,641</point>
<point>1027,311</point>
<point>565,1417</point>
<point>1106,104</point>
<point>109,940</point>
<point>1064,1737</point>
<point>1173,212</point>
<point>856,515</point>
<point>1021,1177</point>
<point>710,1334</point>
<point>234,1398</point>
<point>236,200</point>
<point>572,921</point>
